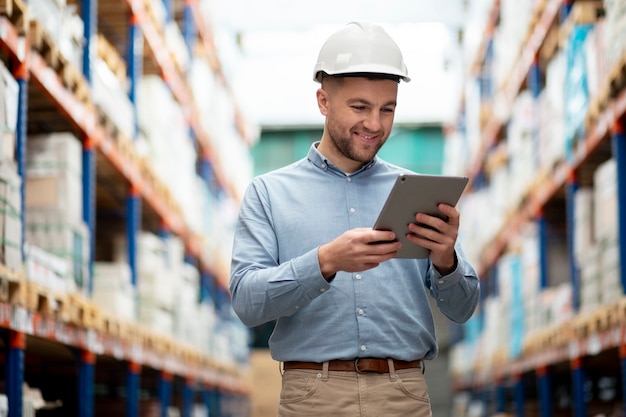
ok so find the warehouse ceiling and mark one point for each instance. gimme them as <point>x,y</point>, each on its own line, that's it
<point>270,48</point>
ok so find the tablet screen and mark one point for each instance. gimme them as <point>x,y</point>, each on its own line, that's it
<point>412,194</point>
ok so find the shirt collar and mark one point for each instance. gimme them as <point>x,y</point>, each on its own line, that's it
<point>321,162</point>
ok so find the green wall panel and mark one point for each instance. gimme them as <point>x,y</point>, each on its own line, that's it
<point>418,149</point>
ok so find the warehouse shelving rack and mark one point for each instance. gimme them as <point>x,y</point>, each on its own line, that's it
<point>558,360</point>
<point>83,332</point>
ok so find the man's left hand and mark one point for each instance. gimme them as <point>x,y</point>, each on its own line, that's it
<point>438,235</point>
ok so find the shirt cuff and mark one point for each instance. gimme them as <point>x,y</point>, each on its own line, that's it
<point>309,275</point>
<point>443,282</point>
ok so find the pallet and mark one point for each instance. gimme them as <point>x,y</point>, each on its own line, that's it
<point>71,78</point>
<point>112,59</point>
<point>48,303</point>
<point>75,81</point>
<point>17,12</point>
<point>158,186</point>
<point>113,326</point>
<point>85,314</point>
<point>12,286</point>
<point>617,77</point>
<point>43,43</point>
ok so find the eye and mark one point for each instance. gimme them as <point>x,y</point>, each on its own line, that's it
<point>388,110</point>
<point>358,108</point>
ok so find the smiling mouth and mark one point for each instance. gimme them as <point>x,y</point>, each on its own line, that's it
<point>367,137</point>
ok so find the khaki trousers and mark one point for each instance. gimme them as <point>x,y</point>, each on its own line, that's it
<point>401,393</point>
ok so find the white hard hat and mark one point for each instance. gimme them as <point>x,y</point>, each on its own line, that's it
<point>361,48</point>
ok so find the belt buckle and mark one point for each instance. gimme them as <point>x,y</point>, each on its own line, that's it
<point>356,366</point>
<point>360,371</point>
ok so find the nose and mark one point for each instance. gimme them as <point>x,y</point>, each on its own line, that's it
<point>372,121</point>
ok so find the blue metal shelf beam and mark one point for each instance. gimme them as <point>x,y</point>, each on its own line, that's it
<point>500,398</point>
<point>542,227</point>
<point>619,153</point>
<point>14,372</point>
<point>187,396</point>
<point>189,28</point>
<point>89,15</point>
<point>89,203</point>
<point>86,378</point>
<point>134,63</point>
<point>578,388</point>
<point>544,391</point>
<point>207,284</point>
<point>21,136</point>
<point>132,389</point>
<point>165,392</point>
<point>519,396</point>
<point>133,222</point>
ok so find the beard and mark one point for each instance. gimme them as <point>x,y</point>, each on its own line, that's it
<point>351,148</point>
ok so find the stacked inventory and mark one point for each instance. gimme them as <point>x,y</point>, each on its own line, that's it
<point>544,216</point>
<point>119,185</point>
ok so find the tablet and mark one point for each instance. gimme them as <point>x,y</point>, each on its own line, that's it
<point>412,194</point>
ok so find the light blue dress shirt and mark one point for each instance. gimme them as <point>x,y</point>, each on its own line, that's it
<point>383,312</point>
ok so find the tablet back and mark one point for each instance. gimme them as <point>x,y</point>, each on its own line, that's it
<point>412,194</point>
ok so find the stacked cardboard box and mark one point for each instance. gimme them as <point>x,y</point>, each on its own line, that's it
<point>54,205</point>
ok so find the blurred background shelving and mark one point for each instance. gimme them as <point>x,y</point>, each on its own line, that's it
<point>540,132</point>
<point>118,200</point>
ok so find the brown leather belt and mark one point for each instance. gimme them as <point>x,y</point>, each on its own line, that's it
<point>360,365</point>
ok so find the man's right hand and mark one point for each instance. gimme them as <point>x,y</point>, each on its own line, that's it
<point>357,250</point>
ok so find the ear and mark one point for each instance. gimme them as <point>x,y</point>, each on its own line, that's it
<point>322,101</point>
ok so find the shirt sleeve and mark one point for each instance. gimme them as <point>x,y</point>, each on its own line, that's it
<point>457,293</point>
<point>262,287</point>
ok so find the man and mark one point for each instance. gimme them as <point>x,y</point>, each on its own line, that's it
<point>353,324</point>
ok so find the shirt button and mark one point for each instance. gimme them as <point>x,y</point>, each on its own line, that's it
<point>358,276</point>
<point>348,179</point>
<point>441,299</point>
<point>323,165</point>
<point>352,209</point>
<point>441,281</point>
<point>363,348</point>
<point>297,307</point>
<point>322,289</point>
<point>361,311</point>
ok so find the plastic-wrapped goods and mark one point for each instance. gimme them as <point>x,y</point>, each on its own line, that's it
<point>614,31</point>
<point>576,89</point>
<point>175,42</point>
<point>9,95</point>
<point>583,221</point>
<point>10,216</point>
<point>551,114</point>
<point>610,270</point>
<point>155,317</point>
<point>54,175</point>
<point>521,148</point>
<point>45,268</point>
<point>474,27</point>
<point>510,277</point>
<point>49,230</point>
<point>171,150</point>
<point>605,201</point>
<point>113,290</point>
<point>111,97</point>
<point>514,20</point>
<point>590,279</point>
